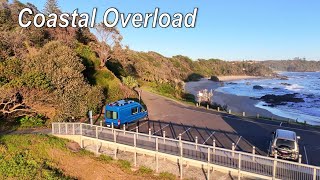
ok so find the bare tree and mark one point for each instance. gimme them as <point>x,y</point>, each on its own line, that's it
<point>109,43</point>
<point>52,7</point>
<point>14,106</point>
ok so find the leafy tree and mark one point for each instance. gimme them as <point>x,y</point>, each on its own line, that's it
<point>130,81</point>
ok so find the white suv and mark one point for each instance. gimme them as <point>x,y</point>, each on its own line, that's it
<point>285,145</point>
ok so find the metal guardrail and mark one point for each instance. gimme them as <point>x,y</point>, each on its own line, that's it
<point>241,161</point>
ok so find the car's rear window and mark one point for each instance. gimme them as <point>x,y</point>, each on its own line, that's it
<point>112,115</point>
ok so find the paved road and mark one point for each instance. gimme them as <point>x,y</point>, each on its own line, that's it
<point>175,118</point>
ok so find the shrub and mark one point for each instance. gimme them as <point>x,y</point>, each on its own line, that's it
<point>29,121</point>
<point>166,175</point>
<point>125,165</point>
<point>145,170</point>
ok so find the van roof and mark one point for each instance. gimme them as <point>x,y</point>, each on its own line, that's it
<point>286,134</point>
<point>121,104</point>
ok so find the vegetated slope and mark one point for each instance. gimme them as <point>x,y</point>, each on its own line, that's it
<point>293,65</point>
<point>48,157</point>
<point>51,71</point>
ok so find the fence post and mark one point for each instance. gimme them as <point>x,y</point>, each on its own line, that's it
<point>253,152</point>
<point>115,144</point>
<point>135,149</point>
<point>97,132</point>
<point>66,125</point>
<point>181,153</point>
<point>149,133</point>
<point>314,174</point>
<point>214,146</point>
<point>164,137</point>
<point>157,156</point>
<point>196,143</point>
<point>258,116</point>
<point>218,109</point>
<point>300,157</point>
<point>124,129</point>
<point>112,126</point>
<point>137,131</point>
<point>101,123</point>
<point>208,164</point>
<point>243,114</point>
<point>239,167</point>
<point>81,142</point>
<point>274,166</point>
<point>233,148</point>
<point>59,129</point>
<point>207,106</point>
<point>229,111</point>
<point>52,125</point>
<point>73,130</point>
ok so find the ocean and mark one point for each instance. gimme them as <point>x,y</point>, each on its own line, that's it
<point>305,84</point>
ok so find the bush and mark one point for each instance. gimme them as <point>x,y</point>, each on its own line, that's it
<point>125,165</point>
<point>214,78</point>
<point>145,170</point>
<point>30,122</point>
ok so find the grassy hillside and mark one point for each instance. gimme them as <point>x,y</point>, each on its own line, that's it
<point>48,157</point>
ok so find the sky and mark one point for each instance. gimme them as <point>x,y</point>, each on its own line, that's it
<point>228,29</point>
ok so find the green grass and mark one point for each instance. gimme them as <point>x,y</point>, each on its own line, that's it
<point>143,170</point>
<point>25,157</point>
<point>105,158</point>
<point>124,164</point>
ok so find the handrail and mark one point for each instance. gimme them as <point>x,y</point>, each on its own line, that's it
<point>315,169</point>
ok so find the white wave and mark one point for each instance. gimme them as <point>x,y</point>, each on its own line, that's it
<point>294,87</point>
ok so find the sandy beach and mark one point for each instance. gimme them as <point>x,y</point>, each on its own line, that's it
<point>234,78</point>
<point>237,104</point>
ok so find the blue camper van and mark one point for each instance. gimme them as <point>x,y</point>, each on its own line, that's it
<point>124,112</point>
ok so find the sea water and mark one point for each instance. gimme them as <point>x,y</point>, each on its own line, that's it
<point>305,84</point>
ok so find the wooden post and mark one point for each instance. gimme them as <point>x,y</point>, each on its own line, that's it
<point>157,156</point>
<point>149,133</point>
<point>164,137</point>
<point>243,114</point>
<point>66,125</point>
<point>214,146</point>
<point>314,174</point>
<point>124,129</point>
<point>229,111</point>
<point>207,106</point>
<point>52,125</point>
<point>258,116</point>
<point>73,130</point>
<point>218,108</point>
<point>59,129</point>
<point>112,127</point>
<point>101,123</point>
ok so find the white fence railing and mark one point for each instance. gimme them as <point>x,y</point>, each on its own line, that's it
<point>241,161</point>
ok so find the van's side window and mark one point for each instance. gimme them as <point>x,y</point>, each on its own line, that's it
<point>134,110</point>
<point>112,115</point>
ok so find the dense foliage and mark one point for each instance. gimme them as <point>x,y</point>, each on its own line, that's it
<point>293,65</point>
<point>53,72</point>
